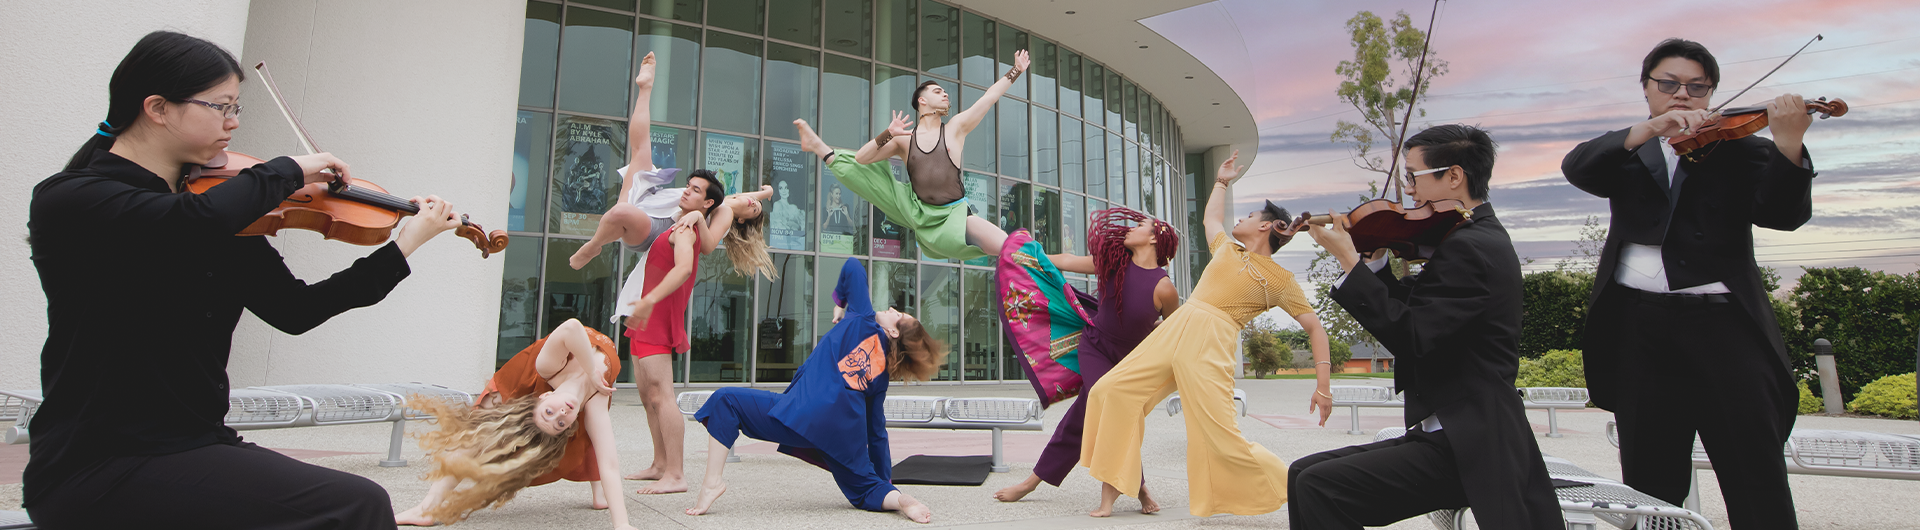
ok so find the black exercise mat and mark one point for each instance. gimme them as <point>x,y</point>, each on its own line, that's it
<point>943,470</point>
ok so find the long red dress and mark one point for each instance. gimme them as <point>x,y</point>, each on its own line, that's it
<point>518,378</point>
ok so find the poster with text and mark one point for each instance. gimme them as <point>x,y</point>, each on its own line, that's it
<point>726,156</point>
<point>843,217</point>
<point>586,153</point>
<point>791,212</point>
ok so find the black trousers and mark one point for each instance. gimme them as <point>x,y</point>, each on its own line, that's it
<point>1374,484</point>
<point>217,486</point>
<point>1704,369</point>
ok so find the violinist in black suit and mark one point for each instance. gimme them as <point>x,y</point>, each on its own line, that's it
<point>1455,330</point>
<point>1680,337</point>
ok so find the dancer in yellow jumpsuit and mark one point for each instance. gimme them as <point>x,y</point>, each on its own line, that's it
<point>1193,352</point>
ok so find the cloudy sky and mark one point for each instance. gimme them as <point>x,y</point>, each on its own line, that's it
<point>1545,76</point>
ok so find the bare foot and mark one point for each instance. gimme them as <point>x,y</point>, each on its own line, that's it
<point>583,256</point>
<point>413,517</point>
<point>647,474</point>
<point>1147,504</point>
<point>1017,491</point>
<point>708,494</point>
<point>809,141</point>
<point>1108,494</point>
<point>645,79</point>
<point>1103,511</point>
<point>599,497</point>
<point>666,485</point>
<point>913,509</point>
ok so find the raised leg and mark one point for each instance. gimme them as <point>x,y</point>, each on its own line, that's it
<point>624,222</point>
<point>811,141</point>
<point>986,235</point>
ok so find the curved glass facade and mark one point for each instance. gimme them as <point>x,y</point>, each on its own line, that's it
<point>1072,136</point>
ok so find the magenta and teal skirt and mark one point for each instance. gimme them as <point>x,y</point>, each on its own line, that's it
<point>1043,316</point>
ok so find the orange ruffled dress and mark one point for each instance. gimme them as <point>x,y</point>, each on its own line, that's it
<point>518,378</point>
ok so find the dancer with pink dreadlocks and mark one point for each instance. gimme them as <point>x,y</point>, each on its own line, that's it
<point>1066,349</point>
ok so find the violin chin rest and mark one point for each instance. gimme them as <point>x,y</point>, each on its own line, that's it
<point>219,161</point>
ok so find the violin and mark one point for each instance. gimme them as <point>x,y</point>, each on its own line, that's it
<point>361,213</point>
<point>1381,223</point>
<point>1740,122</point>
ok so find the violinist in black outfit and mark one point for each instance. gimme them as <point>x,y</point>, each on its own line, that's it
<point>1680,337</point>
<point>145,283</point>
<point>1455,329</point>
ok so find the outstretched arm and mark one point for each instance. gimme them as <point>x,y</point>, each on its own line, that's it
<point>1216,214</point>
<point>1073,263</point>
<point>889,143</point>
<point>599,426</point>
<point>966,120</point>
<point>1322,400</point>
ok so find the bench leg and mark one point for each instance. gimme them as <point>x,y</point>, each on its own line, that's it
<point>393,448</point>
<point>1693,490</point>
<point>1553,423</point>
<point>732,458</point>
<point>1353,412</point>
<point>999,454</point>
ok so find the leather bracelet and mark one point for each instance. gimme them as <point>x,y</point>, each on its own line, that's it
<point>882,138</point>
<point>1012,75</point>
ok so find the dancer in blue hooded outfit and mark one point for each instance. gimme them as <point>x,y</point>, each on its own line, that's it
<point>833,414</point>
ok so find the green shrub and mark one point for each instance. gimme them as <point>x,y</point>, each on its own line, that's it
<point>1869,316</point>
<point>1561,368</point>
<point>1554,311</point>
<point>1808,403</point>
<point>1891,396</point>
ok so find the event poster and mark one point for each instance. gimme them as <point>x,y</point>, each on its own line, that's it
<point>665,143</point>
<point>586,153</point>
<point>792,207</point>
<point>892,240</point>
<point>726,156</point>
<point>843,217</point>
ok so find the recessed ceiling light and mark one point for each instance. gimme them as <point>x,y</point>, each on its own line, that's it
<point>1143,46</point>
<point>1070,12</point>
<point>1189,77</point>
<point>1216,103</point>
<point>1226,126</point>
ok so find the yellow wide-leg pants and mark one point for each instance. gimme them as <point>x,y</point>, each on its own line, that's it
<point>1192,352</point>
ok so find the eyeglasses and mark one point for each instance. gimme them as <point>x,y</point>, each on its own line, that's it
<point>1409,177</point>
<point>1698,90</point>
<point>227,110</point>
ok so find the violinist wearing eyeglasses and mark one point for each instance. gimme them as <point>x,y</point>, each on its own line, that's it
<point>1680,338</point>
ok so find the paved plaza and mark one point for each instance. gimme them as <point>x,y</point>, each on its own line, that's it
<point>769,490</point>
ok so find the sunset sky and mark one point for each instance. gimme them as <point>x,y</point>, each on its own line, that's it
<point>1544,76</point>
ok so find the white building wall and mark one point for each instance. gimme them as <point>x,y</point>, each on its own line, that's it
<point>416,96</point>
<point>57,58</point>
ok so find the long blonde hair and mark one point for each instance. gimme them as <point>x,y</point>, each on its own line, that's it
<point>747,248</point>
<point>916,355</point>
<point>500,450</point>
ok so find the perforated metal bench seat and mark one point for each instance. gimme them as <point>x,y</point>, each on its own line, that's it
<point>1858,454</point>
<point>14,520</point>
<point>1239,401</point>
<point>935,412</point>
<point>1551,399</point>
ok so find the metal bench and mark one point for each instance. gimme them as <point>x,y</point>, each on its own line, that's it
<point>1856,454</point>
<point>1239,401</point>
<point>1355,396</point>
<point>931,412</point>
<point>1603,499</point>
<point>276,407</point>
<point>1553,399</point>
<point>14,520</point>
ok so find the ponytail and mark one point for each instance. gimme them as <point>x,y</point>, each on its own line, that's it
<point>171,65</point>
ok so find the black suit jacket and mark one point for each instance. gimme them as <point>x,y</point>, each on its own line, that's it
<point>1454,330</point>
<point>1704,228</point>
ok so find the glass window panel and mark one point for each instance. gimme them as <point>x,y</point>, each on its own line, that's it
<point>1073,224</point>
<point>978,64</point>
<point>745,16</point>
<point>1116,173</point>
<point>1072,160</point>
<point>940,39</point>
<point>784,336</point>
<point>729,157</point>
<point>1096,90</point>
<point>1164,199</point>
<point>1046,146</point>
<point>1114,102</point>
<point>1201,188</point>
<point>1046,219</point>
<point>1010,361</point>
<point>721,306</point>
<point>1015,160</point>
<point>586,151</point>
<point>795,21</point>
<point>898,32</point>
<point>623,5</point>
<point>940,315</point>
<point>843,218</point>
<point>1016,205</point>
<point>586,294</point>
<point>681,10</point>
<point>671,147</point>
<point>981,344</point>
<point>519,297</point>
<point>892,91</point>
<point>790,215</point>
<point>1132,153</point>
<point>596,62</point>
<point>983,196</point>
<point>843,120</point>
<point>981,153</point>
<point>1072,74</point>
<point>540,54</point>
<point>732,87</point>
<point>1096,152</point>
<point>892,240</point>
<point>1046,72</point>
<point>793,89</point>
<point>829,278</point>
<point>1157,133</point>
<point>532,145</point>
<point>676,72</point>
<point>894,286</point>
<point>1130,104</point>
<point>850,27</point>
<point>1012,41</point>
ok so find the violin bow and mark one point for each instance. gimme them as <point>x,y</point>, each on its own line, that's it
<point>1756,82</point>
<point>299,131</point>
<point>1393,169</point>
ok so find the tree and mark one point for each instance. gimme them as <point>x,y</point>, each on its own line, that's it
<point>1586,250</point>
<point>1869,316</point>
<point>1380,91</point>
<point>1264,350</point>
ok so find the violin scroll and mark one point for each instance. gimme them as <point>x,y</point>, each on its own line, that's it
<point>488,242</point>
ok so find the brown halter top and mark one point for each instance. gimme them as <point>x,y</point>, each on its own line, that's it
<point>935,179</point>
